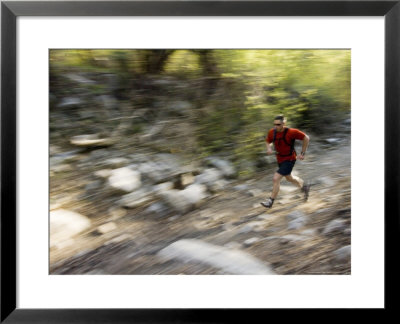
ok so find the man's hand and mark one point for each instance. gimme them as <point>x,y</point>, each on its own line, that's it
<point>301,156</point>
<point>269,148</point>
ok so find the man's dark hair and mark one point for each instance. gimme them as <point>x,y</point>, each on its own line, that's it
<point>280,117</point>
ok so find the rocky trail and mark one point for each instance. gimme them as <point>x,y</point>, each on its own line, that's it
<point>140,213</point>
<point>130,193</point>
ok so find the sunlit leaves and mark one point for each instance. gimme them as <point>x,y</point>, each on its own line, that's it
<point>311,87</point>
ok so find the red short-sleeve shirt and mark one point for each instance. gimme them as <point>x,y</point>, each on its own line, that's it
<point>280,145</point>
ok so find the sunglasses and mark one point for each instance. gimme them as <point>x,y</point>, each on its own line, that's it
<point>277,124</point>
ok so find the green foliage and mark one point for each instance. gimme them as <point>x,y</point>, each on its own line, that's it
<point>240,91</point>
<point>183,63</point>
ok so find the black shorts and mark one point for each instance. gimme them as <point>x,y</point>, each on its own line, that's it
<point>286,167</point>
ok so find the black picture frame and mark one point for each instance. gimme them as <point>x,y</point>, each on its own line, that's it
<point>10,10</point>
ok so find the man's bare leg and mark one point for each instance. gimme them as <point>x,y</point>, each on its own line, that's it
<point>275,190</point>
<point>299,183</point>
<point>295,180</point>
<point>276,184</point>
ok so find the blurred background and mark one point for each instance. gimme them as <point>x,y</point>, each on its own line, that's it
<point>156,155</point>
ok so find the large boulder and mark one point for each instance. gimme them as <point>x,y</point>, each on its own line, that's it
<point>230,261</point>
<point>64,224</point>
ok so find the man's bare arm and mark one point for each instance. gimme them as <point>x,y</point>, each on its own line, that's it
<point>269,148</point>
<point>306,140</point>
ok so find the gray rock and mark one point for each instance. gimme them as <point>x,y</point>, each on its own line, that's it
<point>139,157</point>
<point>219,185</point>
<point>224,166</point>
<point>158,209</point>
<point>251,241</point>
<point>124,179</point>
<point>185,200</point>
<point>116,162</point>
<point>209,177</point>
<point>291,238</point>
<point>94,185</point>
<point>136,198</point>
<point>326,181</point>
<point>233,245</point>
<point>241,187</point>
<point>61,168</point>
<point>296,220</point>
<point>332,140</point>
<point>61,158</point>
<point>99,155</point>
<point>343,254</point>
<point>67,156</point>
<point>90,140</point>
<point>309,232</point>
<point>170,161</point>
<point>255,192</point>
<point>337,225</point>
<point>163,168</point>
<point>163,187</point>
<point>152,171</point>
<point>194,193</point>
<point>228,260</point>
<point>70,102</point>
<point>297,223</point>
<point>295,215</point>
<point>256,226</point>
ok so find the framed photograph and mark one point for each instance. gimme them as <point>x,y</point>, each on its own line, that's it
<point>139,182</point>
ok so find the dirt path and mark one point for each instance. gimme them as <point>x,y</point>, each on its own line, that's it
<point>294,237</point>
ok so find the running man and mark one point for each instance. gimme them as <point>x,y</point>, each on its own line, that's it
<point>283,139</point>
